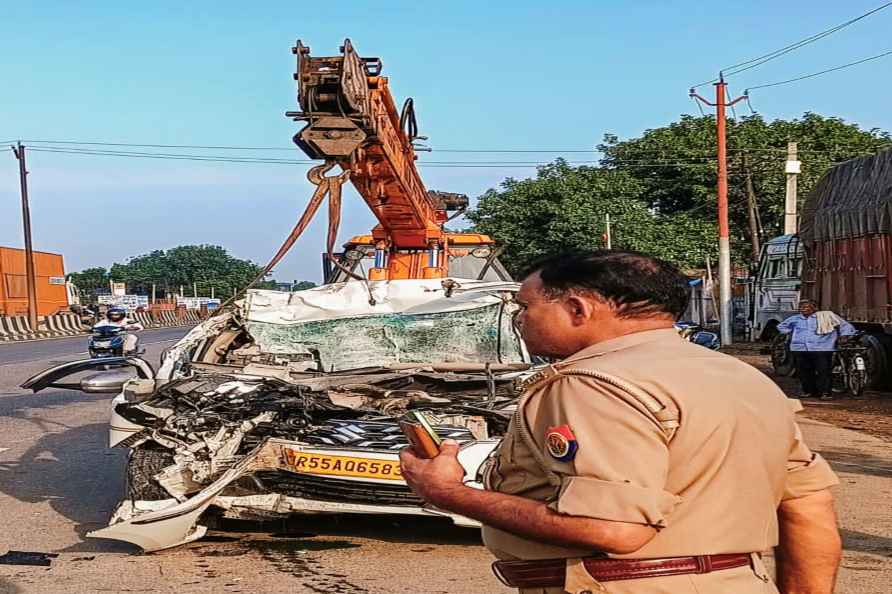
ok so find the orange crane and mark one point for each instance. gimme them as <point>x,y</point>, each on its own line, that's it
<point>352,121</point>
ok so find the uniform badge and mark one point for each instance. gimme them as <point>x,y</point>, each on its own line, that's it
<point>561,443</point>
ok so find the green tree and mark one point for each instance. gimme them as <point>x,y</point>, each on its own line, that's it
<point>90,280</point>
<point>564,208</point>
<point>206,266</point>
<point>675,165</point>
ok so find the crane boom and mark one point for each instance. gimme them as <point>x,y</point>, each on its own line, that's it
<point>352,120</point>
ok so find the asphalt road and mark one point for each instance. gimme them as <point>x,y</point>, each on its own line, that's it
<point>58,480</point>
<point>70,348</point>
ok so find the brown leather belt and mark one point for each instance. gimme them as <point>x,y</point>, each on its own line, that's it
<point>549,573</point>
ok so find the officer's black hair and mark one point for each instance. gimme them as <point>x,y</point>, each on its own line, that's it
<point>636,284</point>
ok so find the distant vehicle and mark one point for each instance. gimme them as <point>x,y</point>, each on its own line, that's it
<point>695,333</point>
<point>54,295</point>
<point>107,341</point>
<point>846,241</point>
<point>775,290</point>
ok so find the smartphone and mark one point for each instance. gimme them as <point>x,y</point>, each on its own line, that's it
<point>421,435</point>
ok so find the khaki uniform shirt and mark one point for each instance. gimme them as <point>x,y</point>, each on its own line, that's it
<point>705,453</point>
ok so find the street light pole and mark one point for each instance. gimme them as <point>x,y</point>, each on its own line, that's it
<point>792,169</point>
<point>725,302</point>
<point>31,279</point>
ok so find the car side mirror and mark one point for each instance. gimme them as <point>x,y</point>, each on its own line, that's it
<point>106,382</point>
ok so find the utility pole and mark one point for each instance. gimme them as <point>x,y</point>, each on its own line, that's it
<point>194,289</point>
<point>153,293</point>
<point>608,234</point>
<point>752,211</point>
<point>792,169</point>
<point>31,279</point>
<point>726,304</point>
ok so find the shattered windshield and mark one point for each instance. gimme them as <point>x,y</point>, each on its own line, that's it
<point>413,323</point>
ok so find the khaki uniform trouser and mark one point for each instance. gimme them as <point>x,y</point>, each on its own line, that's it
<point>739,580</point>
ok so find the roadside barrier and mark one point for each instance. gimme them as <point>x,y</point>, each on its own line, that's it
<point>167,318</point>
<point>7,331</point>
<point>145,319</point>
<point>64,325</point>
<point>16,328</point>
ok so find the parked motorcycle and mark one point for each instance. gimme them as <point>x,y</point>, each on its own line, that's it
<point>695,333</point>
<point>853,369</point>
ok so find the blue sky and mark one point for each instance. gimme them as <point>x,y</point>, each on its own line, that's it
<point>484,75</point>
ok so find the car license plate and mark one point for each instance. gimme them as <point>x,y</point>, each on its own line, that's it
<point>327,464</point>
<point>102,343</point>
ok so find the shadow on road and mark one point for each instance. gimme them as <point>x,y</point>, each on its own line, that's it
<point>18,405</point>
<point>77,474</point>
<point>866,543</point>
<point>389,528</point>
<point>855,462</point>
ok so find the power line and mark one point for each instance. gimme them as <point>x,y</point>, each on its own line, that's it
<point>758,61</point>
<point>224,159</point>
<point>436,150</point>
<point>661,153</point>
<point>171,157</point>
<point>432,164</point>
<point>638,160</point>
<point>814,74</point>
<point>289,149</point>
<point>111,152</point>
<point>735,69</point>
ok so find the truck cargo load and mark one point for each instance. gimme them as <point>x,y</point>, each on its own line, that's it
<point>52,293</point>
<point>846,232</point>
<point>845,229</point>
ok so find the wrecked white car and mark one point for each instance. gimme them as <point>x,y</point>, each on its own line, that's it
<point>287,403</point>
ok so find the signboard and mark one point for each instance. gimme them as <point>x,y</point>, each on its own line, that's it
<point>197,302</point>
<point>130,302</point>
<point>57,280</point>
<point>119,289</point>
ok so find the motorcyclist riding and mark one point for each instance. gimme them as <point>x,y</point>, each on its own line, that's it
<point>117,316</point>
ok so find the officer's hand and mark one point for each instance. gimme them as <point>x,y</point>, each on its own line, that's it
<point>433,479</point>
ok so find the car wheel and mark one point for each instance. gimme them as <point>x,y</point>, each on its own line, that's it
<point>876,364</point>
<point>145,462</point>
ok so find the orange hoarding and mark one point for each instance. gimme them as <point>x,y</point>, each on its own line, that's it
<point>50,271</point>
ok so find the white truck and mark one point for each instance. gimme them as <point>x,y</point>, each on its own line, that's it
<point>775,288</point>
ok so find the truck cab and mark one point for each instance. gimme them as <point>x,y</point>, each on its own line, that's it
<point>776,286</point>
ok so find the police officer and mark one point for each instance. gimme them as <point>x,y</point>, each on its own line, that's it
<point>640,463</point>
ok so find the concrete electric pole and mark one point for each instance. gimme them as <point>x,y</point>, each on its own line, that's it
<point>792,169</point>
<point>19,151</point>
<point>726,309</point>
<point>607,233</point>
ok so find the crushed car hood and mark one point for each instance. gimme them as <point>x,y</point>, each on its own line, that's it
<point>289,403</point>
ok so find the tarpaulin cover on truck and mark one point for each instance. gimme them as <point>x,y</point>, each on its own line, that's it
<point>853,199</point>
